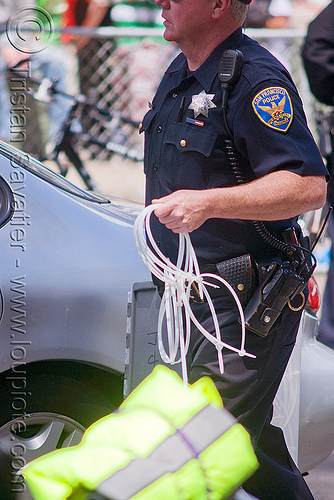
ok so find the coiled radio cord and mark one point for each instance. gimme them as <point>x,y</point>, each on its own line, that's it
<point>260,227</point>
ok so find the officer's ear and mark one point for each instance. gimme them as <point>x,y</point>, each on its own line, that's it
<point>219,7</point>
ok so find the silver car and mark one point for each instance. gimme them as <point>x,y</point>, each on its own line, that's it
<point>78,324</point>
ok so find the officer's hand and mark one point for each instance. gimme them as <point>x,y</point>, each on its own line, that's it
<point>182,211</point>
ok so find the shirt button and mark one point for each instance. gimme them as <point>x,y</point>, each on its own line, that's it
<point>175,95</point>
<point>159,129</point>
<point>183,143</point>
<point>155,167</point>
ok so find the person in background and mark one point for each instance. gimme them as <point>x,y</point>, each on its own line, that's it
<point>318,57</point>
<point>269,14</point>
<point>138,13</point>
<point>47,63</point>
<point>87,14</point>
<point>190,134</point>
<point>94,55</point>
<point>272,14</point>
<point>144,57</point>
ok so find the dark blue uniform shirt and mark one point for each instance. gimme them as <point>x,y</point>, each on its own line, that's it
<point>185,151</point>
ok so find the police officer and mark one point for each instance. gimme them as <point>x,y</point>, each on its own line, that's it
<point>318,57</point>
<point>189,175</point>
<point>318,54</point>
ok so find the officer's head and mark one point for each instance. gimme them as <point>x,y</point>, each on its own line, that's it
<point>193,24</point>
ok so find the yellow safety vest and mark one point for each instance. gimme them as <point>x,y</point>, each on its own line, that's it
<point>166,442</point>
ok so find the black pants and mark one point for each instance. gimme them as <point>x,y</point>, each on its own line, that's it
<point>248,388</point>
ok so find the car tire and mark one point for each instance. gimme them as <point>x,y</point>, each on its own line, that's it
<point>51,412</point>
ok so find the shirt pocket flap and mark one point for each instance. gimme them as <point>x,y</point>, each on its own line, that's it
<point>147,120</point>
<point>191,138</point>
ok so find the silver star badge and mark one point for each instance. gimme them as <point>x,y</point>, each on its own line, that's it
<point>201,103</point>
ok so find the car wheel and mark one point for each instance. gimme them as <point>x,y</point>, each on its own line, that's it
<point>54,413</point>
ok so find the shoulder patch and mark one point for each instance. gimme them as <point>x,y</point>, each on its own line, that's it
<point>274,108</point>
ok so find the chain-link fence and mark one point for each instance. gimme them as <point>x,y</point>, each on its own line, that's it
<point>121,74</point>
<point>119,70</point>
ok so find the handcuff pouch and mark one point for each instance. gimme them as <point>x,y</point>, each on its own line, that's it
<point>240,272</point>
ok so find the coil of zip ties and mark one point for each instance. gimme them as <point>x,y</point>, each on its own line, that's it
<point>178,280</point>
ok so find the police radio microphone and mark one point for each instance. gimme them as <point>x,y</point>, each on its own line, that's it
<point>230,67</point>
<point>229,70</point>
